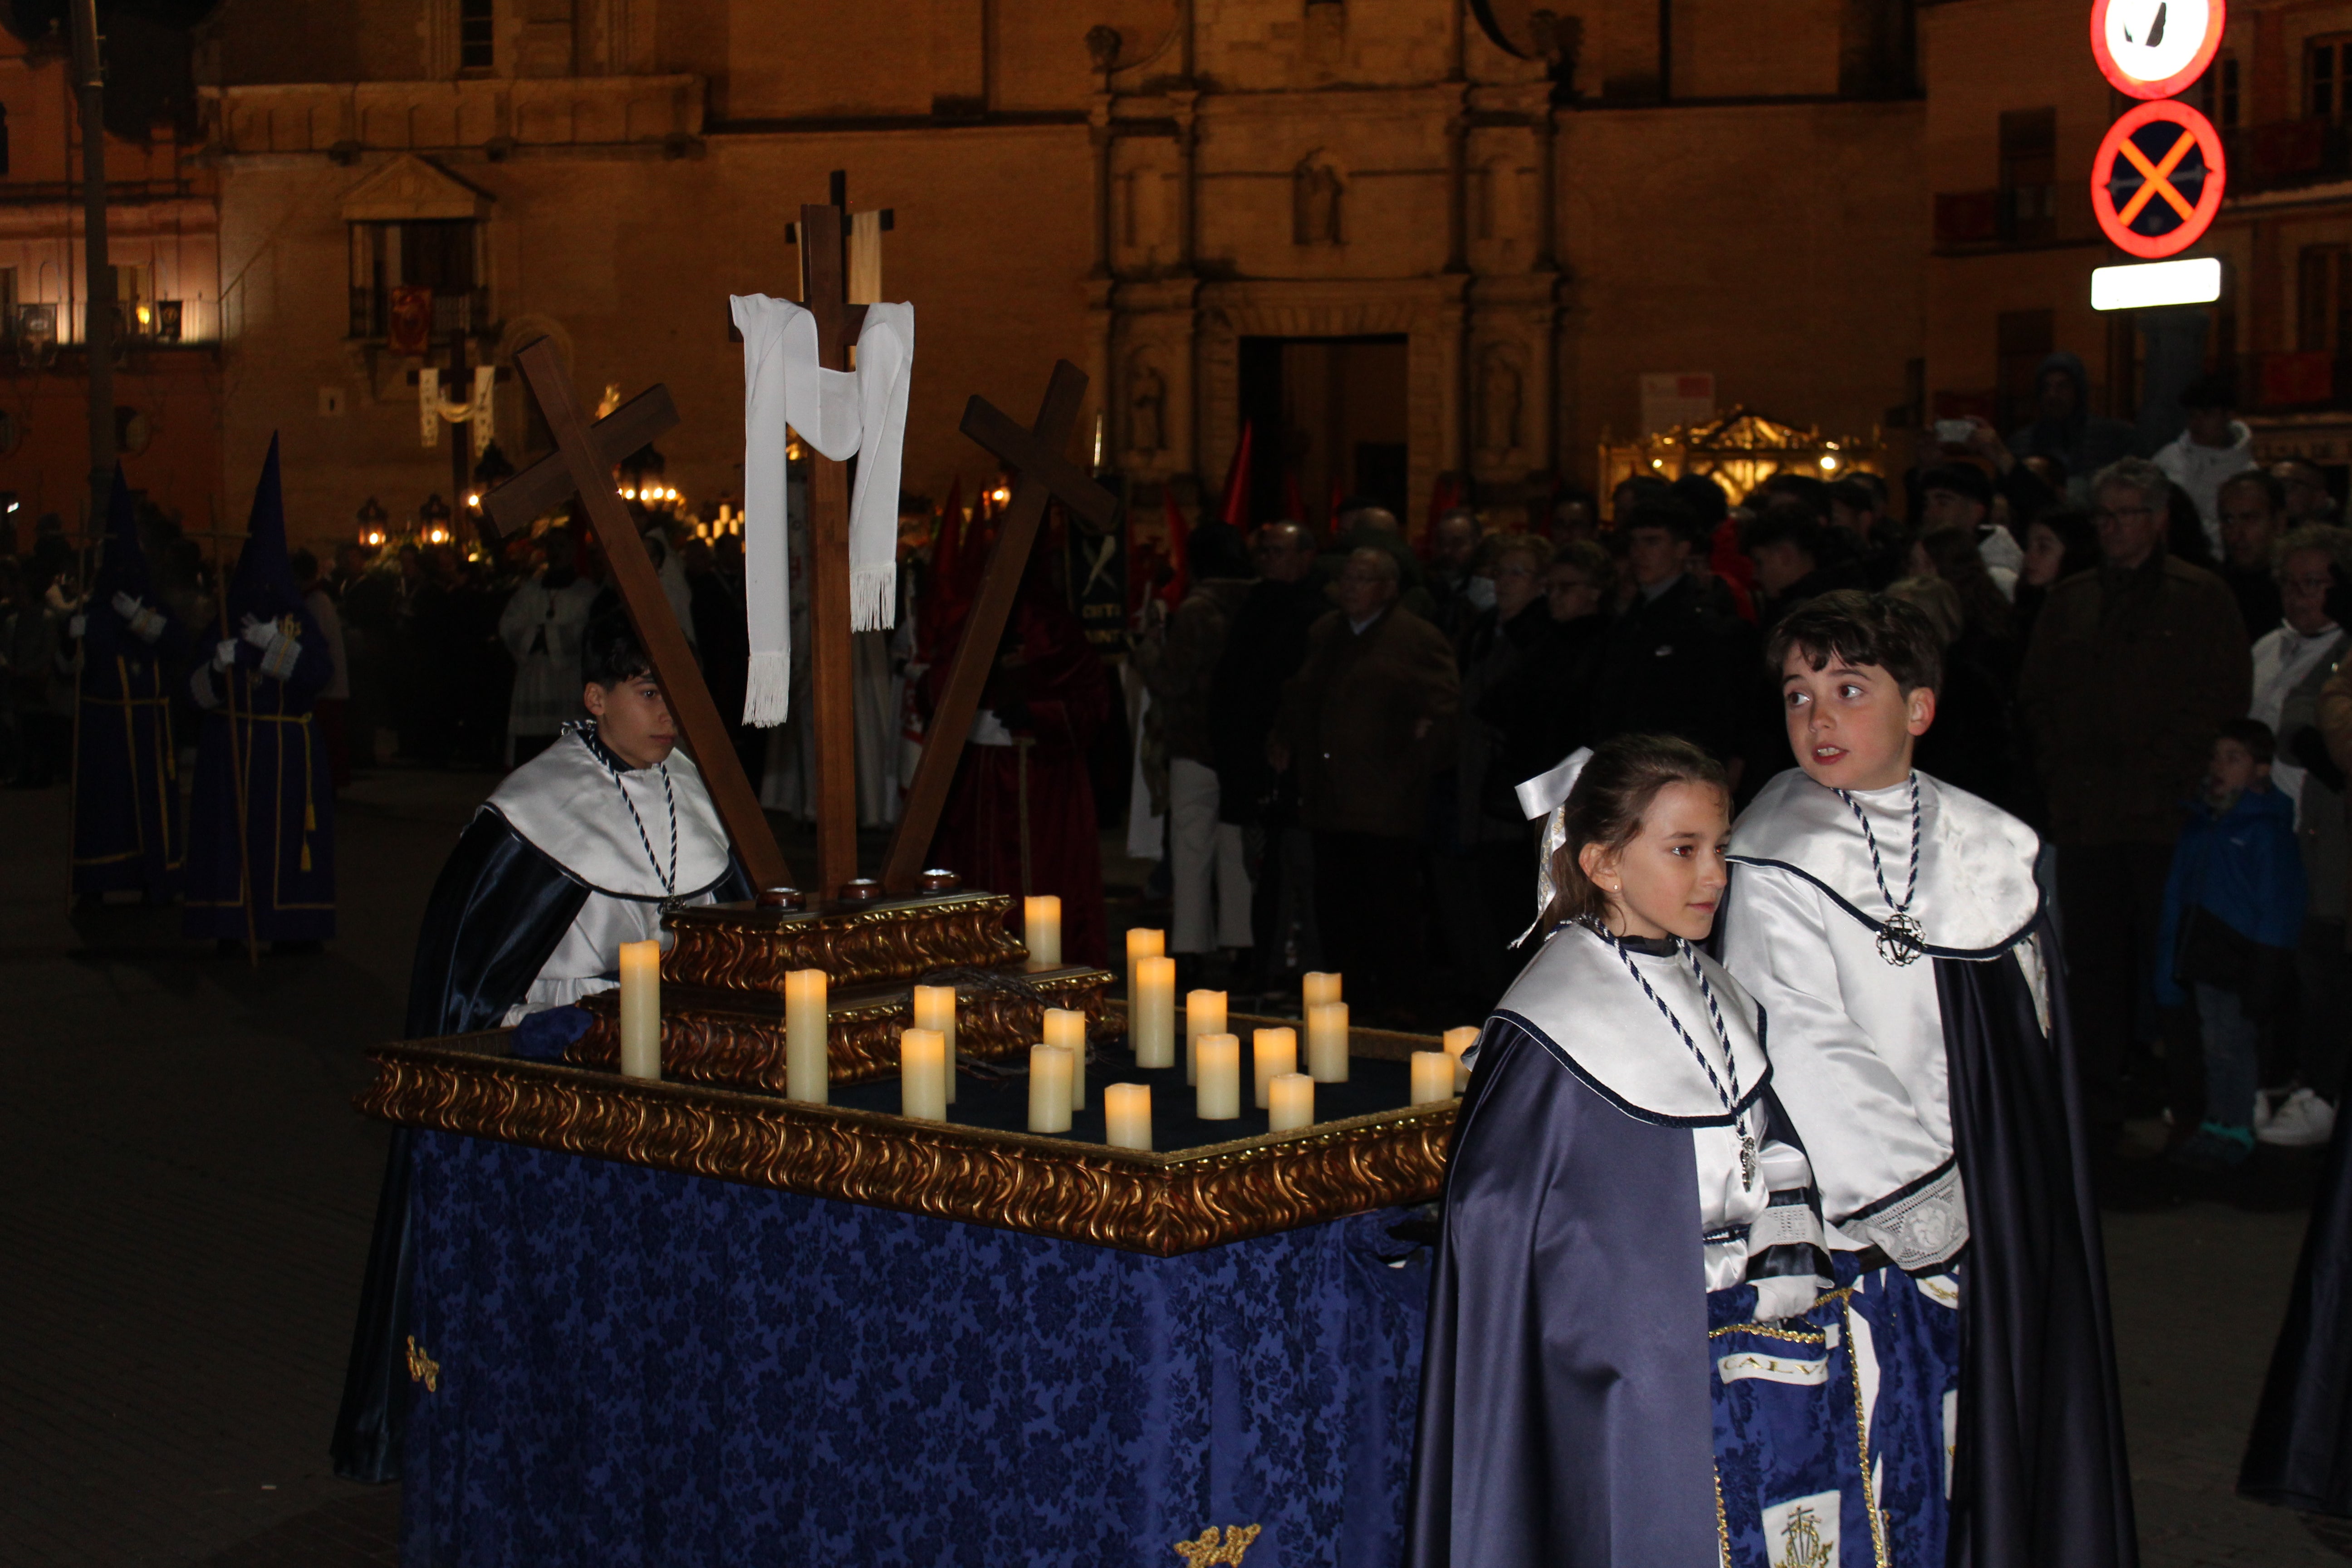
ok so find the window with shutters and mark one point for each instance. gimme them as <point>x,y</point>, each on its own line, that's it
<point>2326,65</point>
<point>440,254</point>
<point>2029,174</point>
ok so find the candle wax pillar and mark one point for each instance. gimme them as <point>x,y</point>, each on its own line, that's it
<point>1152,1017</point>
<point>1218,1097</point>
<point>935,1008</point>
<point>641,1009</point>
<point>1317,986</point>
<point>805,1068</point>
<point>1327,1041</point>
<point>1274,1052</point>
<point>1067,1027</point>
<point>1049,1089</point>
<point>1456,1042</point>
<point>1432,1078</point>
<point>1290,1102</point>
<point>1127,1115</point>
<point>922,1074</point>
<point>1205,1013</point>
<point>1041,927</point>
<point>1142,942</point>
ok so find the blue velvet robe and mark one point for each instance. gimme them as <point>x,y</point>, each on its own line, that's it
<point>127,832</point>
<point>290,802</point>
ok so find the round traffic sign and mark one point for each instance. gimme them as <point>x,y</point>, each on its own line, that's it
<point>2153,49</point>
<point>2156,181</point>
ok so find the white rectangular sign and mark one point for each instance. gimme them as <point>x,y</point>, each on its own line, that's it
<point>2147,284</point>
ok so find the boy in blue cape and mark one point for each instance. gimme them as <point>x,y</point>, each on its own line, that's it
<point>1935,1100</point>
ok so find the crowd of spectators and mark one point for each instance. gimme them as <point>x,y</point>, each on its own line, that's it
<point>2142,657</point>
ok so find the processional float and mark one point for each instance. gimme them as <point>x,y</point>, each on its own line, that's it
<point>1220,1239</point>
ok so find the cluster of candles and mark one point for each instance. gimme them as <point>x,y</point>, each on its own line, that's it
<point>1057,1064</point>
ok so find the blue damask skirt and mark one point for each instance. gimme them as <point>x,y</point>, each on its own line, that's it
<point>1833,1432</point>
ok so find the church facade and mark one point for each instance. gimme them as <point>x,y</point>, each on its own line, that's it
<point>1409,241</point>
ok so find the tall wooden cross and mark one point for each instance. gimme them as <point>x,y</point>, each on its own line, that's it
<point>1042,469</point>
<point>581,465</point>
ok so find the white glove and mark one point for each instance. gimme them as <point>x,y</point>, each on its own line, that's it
<point>260,634</point>
<point>76,624</point>
<point>226,654</point>
<point>125,606</point>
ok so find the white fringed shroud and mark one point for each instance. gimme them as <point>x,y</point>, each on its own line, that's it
<point>841,414</point>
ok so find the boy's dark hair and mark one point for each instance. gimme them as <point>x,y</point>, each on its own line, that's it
<point>2252,734</point>
<point>610,652</point>
<point>1861,628</point>
<point>1705,497</point>
<point>1805,489</point>
<point>1856,496</point>
<point>1669,513</point>
<point>1961,480</point>
<point>1786,521</point>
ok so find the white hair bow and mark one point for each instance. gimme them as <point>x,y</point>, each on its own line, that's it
<point>1547,794</point>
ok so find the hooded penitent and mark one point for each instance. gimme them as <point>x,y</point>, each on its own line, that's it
<point>126,822</point>
<point>259,757</point>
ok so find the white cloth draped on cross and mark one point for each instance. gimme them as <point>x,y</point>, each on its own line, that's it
<point>841,414</point>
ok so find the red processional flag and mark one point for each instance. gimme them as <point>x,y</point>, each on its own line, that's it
<point>1232,507</point>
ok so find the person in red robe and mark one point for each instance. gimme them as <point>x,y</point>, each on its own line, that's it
<point>1045,698</point>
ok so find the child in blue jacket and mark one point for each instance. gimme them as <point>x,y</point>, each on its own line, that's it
<point>2232,913</point>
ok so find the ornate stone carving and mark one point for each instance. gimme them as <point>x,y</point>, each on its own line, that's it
<point>737,947</point>
<point>1316,189</point>
<point>712,1038</point>
<point>1159,1203</point>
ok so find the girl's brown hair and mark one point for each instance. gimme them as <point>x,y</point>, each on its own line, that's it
<point>1606,807</point>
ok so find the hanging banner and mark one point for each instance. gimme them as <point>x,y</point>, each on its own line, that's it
<point>482,411</point>
<point>409,319</point>
<point>428,406</point>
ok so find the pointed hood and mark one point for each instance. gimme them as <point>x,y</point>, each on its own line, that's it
<point>1233,505</point>
<point>263,584</point>
<point>125,568</point>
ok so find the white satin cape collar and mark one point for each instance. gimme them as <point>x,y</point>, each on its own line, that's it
<point>1577,1000</point>
<point>1977,893</point>
<point>565,804</point>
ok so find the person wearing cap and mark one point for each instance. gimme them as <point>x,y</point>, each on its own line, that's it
<point>1960,495</point>
<point>2214,447</point>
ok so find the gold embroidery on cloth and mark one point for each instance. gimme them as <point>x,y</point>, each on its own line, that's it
<point>1209,1550</point>
<point>423,1369</point>
<point>1801,1545</point>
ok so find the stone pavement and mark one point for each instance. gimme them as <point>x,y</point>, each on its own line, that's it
<point>186,1198</point>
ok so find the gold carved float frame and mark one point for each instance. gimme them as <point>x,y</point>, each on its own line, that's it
<point>1161,1203</point>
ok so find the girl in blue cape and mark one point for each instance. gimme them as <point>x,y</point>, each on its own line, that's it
<point>1631,1359</point>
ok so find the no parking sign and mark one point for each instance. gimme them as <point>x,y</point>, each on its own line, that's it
<point>2158,178</point>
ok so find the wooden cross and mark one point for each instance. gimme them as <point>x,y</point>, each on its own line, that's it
<point>823,236</point>
<point>581,464</point>
<point>1041,471</point>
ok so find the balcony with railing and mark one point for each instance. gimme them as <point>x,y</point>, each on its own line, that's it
<point>456,313</point>
<point>2286,153</point>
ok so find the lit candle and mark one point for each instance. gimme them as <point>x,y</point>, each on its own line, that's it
<point>1152,1016</point>
<point>923,1075</point>
<point>1041,927</point>
<point>1327,1041</point>
<point>1456,1042</point>
<point>1067,1027</point>
<point>1290,1102</point>
<point>1219,1059</point>
<point>1315,987</point>
<point>1432,1078</point>
<point>1205,1013</point>
<point>1275,1052</point>
<point>1049,1089</point>
<point>641,1009</point>
<point>1127,1115</point>
<point>1142,944</point>
<point>935,1009</point>
<point>805,1031</point>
